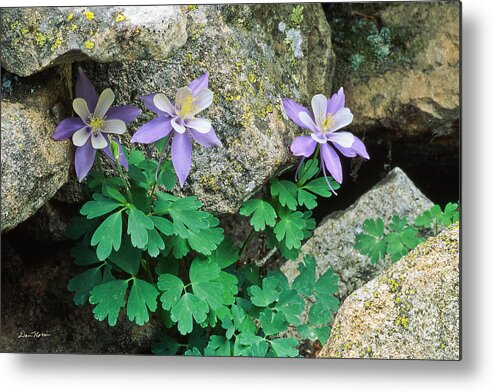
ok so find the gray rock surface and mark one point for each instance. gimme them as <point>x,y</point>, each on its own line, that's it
<point>399,64</point>
<point>34,166</point>
<point>333,240</point>
<point>409,312</point>
<point>33,39</point>
<point>252,65</point>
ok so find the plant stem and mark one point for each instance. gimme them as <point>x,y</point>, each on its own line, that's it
<point>158,170</point>
<point>301,181</point>
<point>122,175</point>
<point>245,243</point>
<point>145,265</point>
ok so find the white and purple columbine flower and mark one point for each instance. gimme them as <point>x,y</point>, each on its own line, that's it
<point>329,116</point>
<point>96,122</point>
<point>180,120</point>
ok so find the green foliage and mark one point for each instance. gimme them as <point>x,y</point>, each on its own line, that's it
<point>263,213</point>
<point>400,237</point>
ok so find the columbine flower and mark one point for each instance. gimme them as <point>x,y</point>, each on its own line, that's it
<point>328,117</point>
<point>96,122</point>
<point>180,120</point>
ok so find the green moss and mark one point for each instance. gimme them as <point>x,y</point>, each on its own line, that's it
<point>40,39</point>
<point>296,17</point>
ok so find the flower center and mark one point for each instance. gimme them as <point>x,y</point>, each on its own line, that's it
<point>327,123</point>
<point>186,106</point>
<point>96,123</point>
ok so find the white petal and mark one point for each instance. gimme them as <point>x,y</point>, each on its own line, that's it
<point>114,126</point>
<point>319,137</point>
<point>201,125</point>
<point>98,141</point>
<point>162,102</point>
<point>307,120</point>
<point>319,107</point>
<point>341,119</point>
<point>177,124</point>
<point>104,102</point>
<point>80,107</point>
<point>202,101</point>
<point>79,138</point>
<point>345,139</point>
<point>181,95</point>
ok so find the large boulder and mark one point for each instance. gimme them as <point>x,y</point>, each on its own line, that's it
<point>409,312</point>
<point>399,64</point>
<point>333,240</point>
<point>33,39</point>
<point>34,166</point>
<point>255,56</point>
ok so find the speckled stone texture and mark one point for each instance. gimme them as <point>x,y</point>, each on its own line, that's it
<point>332,243</point>
<point>252,65</point>
<point>34,166</point>
<point>33,39</point>
<point>409,312</point>
<point>399,64</point>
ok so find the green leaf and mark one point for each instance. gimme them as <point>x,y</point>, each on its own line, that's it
<point>305,281</point>
<point>372,242</point>
<point>290,227</point>
<point>218,346</point>
<point>165,345</point>
<point>266,295</point>
<point>325,288</point>
<point>193,352</point>
<point>306,331</point>
<point>395,247</point>
<point>285,347</point>
<point>155,243</point>
<point>83,283</point>
<point>114,194</point>
<point>450,214</point>
<point>230,287</point>
<point>108,236</point>
<point>273,323</point>
<point>135,157</point>
<point>318,314</point>
<point>398,223</point>
<point>206,240</point>
<point>138,224</point>
<point>263,213</point>
<point>163,225</point>
<point>320,187</point>
<point>172,288</point>
<point>109,298</point>
<point>428,218</point>
<point>249,344</point>
<point>81,226</point>
<point>83,255</point>
<point>99,206</point>
<point>290,305</point>
<point>189,306</point>
<point>225,255</point>
<point>142,297</point>
<point>309,200</point>
<point>307,171</point>
<point>167,176</point>
<point>127,257</point>
<point>177,246</point>
<point>186,216</point>
<point>203,274</point>
<point>409,237</point>
<point>286,191</point>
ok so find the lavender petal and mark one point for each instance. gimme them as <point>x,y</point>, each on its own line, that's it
<point>67,128</point>
<point>293,110</point>
<point>152,131</point>
<point>200,83</point>
<point>303,146</point>
<point>85,89</point>
<point>208,139</point>
<point>149,103</point>
<point>181,155</point>
<point>84,159</point>
<point>336,102</point>
<point>126,113</point>
<point>332,162</point>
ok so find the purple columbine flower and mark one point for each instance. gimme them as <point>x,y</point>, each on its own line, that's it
<point>329,116</point>
<point>179,121</point>
<point>96,122</point>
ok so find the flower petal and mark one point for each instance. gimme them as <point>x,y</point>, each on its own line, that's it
<point>344,139</point>
<point>152,131</point>
<point>122,158</point>
<point>178,124</point>
<point>360,148</point>
<point>126,113</point>
<point>336,102</point>
<point>80,107</point>
<point>201,125</point>
<point>163,104</point>
<point>332,162</point>
<point>347,152</point>
<point>98,141</point>
<point>293,110</point>
<point>341,119</point>
<point>202,101</point>
<point>319,107</point>
<point>181,95</point>
<point>303,146</point>
<point>114,126</point>
<point>200,83</point>
<point>80,137</point>
<point>85,89</point>
<point>104,102</point>
<point>208,139</point>
<point>84,159</point>
<point>319,137</point>
<point>307,120</point>
<point>149,103</point>
<point>67,127</point>
<point>181,155</point>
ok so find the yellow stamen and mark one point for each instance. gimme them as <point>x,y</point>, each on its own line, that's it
<point>327,123</point>
<point>96,124</point>
<point>187,106</point>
